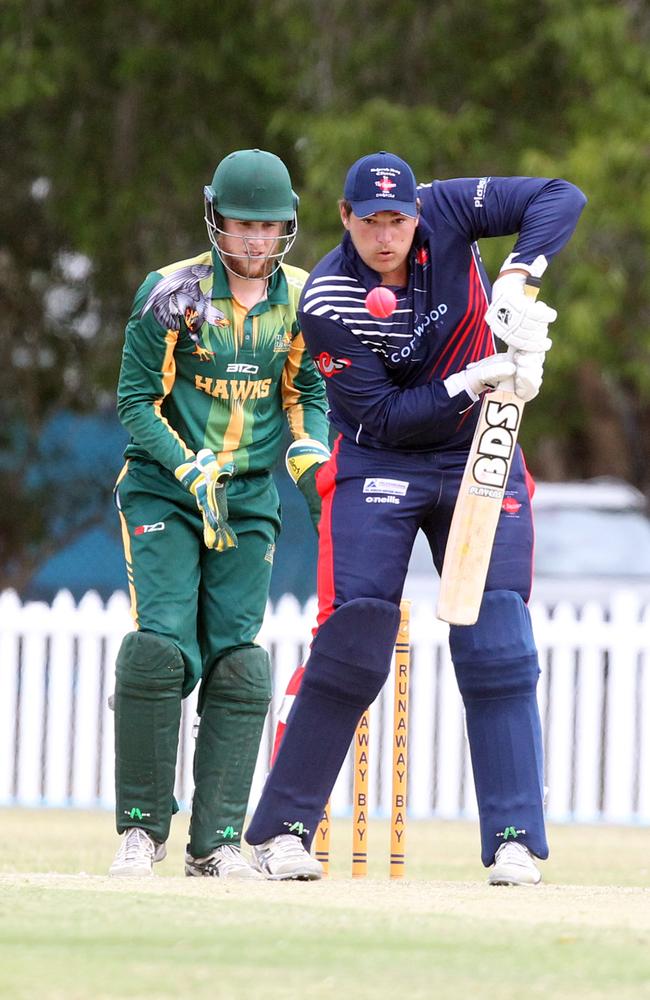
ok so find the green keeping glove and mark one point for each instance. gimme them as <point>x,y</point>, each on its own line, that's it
<point>206,480</point>
<point>303,459</point>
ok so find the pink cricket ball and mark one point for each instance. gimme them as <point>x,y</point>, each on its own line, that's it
<point>381,302</point>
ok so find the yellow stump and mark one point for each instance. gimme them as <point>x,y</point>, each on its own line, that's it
<point>322,847</point>
<point>360,799</point>
<point>400,744</point>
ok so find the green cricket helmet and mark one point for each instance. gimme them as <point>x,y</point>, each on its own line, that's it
<point>252,185</point>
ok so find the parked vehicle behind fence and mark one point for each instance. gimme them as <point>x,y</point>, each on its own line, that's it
<point>592,539</point>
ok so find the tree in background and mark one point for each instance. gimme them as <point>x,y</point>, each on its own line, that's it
<point>112,117</point>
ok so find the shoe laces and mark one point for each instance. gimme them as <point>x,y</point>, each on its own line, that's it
<point>230,852</point>
<point>224,857</point>
<point>287,845</point>
<point>137,842</point>
<point>513,853</point>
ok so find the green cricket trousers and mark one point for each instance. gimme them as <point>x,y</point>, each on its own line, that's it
<point>197,613</point>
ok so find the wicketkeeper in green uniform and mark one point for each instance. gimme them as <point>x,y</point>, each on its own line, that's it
<point>213,358</point>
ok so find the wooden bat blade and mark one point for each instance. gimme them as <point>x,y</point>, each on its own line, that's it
<point>474,523</point>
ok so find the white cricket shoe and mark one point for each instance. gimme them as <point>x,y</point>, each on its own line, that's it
<point>284,857</point>
<point>226,862</point>
<point>137,854</point>
<point>514,865</point>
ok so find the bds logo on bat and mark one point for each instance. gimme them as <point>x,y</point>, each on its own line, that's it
<point>495,446</point>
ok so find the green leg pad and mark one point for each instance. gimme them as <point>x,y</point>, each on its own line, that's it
<point>233,704</point>
<point>148,684</point>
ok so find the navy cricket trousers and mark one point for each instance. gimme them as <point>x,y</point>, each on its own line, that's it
<point>374,503</point>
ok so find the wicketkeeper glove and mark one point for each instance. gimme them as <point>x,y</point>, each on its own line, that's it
<point>303,459</point>
<point>518,320</point>
<point>206,480</point>
<point>481,375</point>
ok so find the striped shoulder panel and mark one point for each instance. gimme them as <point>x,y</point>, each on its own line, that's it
<point>295,276</point>
<point>342,299</point>
<point>201,260</point>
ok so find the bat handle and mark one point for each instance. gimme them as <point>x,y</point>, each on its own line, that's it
<point>532,286</point>
<point>531,289</point>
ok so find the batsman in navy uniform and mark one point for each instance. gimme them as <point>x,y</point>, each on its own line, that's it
<point>403,395</point>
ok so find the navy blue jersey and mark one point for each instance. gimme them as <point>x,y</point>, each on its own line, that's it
<point>385,378</point>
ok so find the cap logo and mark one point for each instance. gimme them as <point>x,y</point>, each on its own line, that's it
<point>385,182</point>
<point>385,185</point>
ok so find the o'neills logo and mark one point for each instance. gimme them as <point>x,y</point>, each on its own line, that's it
<point>495,447</point>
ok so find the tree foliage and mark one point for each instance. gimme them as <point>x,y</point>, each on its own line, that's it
<point>113,116</point>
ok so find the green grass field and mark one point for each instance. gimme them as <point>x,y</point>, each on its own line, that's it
<point>67,932</point>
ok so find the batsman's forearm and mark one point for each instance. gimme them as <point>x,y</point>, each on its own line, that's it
<point>549,221</point>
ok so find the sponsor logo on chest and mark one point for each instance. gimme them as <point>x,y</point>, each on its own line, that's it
<point>230,388</point>
<point>237,369</point>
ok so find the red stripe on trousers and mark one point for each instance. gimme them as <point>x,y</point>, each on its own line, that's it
<point>326,485</point>
<point>530,487</point>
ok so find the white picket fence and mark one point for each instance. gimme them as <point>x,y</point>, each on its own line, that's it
<point>56,731</point>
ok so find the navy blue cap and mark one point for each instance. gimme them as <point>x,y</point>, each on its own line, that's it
<point>381,182</point>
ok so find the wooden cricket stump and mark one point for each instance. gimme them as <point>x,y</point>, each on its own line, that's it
<point>361,761</point>
<point>322,848</point>
<point>360,798</point>
<point>400,744</point>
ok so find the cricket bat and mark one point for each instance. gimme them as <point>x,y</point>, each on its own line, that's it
<point>482,489</point>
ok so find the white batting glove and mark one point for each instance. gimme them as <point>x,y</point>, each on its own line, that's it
<point>528,373</point>
<point>515,318</point>
<point>481,375</point>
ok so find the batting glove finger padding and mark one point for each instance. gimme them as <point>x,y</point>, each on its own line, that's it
<point>528,373</point>
<point>481,375</point>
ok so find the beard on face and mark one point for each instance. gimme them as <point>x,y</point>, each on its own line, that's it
<point>250,267</point>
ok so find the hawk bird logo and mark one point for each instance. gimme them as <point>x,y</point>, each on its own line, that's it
<point>178,299</point>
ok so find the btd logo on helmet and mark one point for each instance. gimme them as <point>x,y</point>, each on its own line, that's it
<point>495,447</point>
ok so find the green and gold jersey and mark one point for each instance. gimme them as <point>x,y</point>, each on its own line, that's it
<point>199,370</point>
